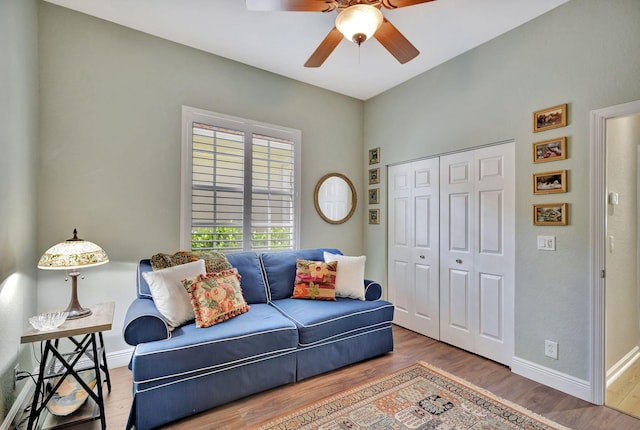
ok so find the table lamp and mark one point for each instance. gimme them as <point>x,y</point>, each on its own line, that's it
<point>73,254</point>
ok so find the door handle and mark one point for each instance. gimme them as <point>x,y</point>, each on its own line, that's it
<point>459,261</point>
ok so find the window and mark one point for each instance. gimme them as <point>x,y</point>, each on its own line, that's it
<point>239,184</point>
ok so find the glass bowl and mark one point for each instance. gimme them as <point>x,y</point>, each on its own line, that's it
<point>48,321</point>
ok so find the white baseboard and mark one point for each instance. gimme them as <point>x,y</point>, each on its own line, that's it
<point>114,359</point>
<point>18,405</point>
<point>119,358</point>
<point>560,381</point>
<point>622,365</point>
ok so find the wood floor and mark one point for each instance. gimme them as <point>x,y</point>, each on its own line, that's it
<point>409,348</point>
<point>624,393</point>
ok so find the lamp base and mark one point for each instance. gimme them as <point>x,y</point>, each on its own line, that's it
<point>75,310</point>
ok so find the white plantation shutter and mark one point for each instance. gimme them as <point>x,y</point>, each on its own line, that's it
<point>239,184</point>
<point>272,198</point>
<point>217,189</point>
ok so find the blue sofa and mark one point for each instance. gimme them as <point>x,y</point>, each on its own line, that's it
<point>280,340</point>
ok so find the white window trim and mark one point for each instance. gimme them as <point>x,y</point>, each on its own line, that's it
<point>190,115</point>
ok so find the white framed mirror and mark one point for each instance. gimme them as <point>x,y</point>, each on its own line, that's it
<point>335,198</point>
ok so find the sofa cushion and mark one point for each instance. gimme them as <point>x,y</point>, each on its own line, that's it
<point>349,276</point>
<point>169,296</point>
<point>254,289</point>
<point>280,269</point>
<point>319,321</point>
<point>215,297</point>
<point>261,332</point>
<point>315,280</point>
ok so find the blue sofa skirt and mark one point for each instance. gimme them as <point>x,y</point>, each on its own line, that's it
<point>324,357</point>
<point>188,396</point>
<point>171,380</point>
<point>333,334</point>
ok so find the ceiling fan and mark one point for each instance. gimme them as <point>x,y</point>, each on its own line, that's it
<point>357,20</point>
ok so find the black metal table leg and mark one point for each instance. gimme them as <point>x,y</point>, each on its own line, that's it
<point>100,399</point>
<point>35,410</point>
<point>104,366</point>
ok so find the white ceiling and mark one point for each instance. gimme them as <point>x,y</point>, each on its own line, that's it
<point>281,42</point>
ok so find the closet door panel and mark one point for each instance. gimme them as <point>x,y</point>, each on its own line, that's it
<point>491,294</point>
<point>413,231</point>
<point>477,238</point>
<point>426,251</point>
<point>457,295</point>
<point>494,257</point>
<point>400,276</point>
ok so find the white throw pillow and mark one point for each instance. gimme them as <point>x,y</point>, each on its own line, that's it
<point>170,297</point>
<point>349,276</point>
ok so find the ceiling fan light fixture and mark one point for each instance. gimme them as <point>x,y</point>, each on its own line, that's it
<point>359,22</point>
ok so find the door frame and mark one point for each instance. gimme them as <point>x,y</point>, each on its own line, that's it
<point>598,224</point>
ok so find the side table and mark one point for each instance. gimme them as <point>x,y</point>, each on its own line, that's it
<point>56,363</point>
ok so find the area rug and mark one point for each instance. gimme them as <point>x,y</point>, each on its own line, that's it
<point>417,397</point>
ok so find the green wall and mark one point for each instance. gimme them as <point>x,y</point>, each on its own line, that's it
<point>585,53</point>
<point>108,145</point>
<point>18,140</point>
<point>111,100</point>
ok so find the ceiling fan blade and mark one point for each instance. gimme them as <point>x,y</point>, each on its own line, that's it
<point>326,47</point>
<point>394,42</point>
<point>394,4</point>
<point>292,5</point>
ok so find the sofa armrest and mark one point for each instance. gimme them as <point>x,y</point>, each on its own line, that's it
<point>144,323</point>
<point>372,290</point>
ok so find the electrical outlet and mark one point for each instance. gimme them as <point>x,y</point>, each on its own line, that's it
<point>16,370</point>
<point>551,349</point>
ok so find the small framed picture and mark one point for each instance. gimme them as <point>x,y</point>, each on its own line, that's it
<point>374,216</point>
<point>550,182</point>
<point>374,196</point>
<point>550,214</point>
<point>550,150</point>
<point>374,176</point>
<point>549,118</point>
<point>374,155</point>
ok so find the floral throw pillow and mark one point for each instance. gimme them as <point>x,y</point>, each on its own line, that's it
<point>215,297</point>
<point>315,280</point>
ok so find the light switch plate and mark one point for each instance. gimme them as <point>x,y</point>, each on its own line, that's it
<point>546,243</point>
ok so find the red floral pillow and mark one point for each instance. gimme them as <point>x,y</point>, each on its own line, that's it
<point>315,280</point>
<point>216,297</point>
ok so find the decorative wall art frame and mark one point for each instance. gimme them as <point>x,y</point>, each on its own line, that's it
<point>550,150</point>
<point>374,155</point>
<point>374,196</point>
<point>374,216</point>
<point>374,176</point>
<point>550,182</point>
<point>550,214</point>
<point>549,118</point>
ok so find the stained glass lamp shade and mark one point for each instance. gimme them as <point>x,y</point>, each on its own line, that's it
<point>73,254</point>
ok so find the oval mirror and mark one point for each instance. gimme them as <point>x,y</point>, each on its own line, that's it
<point>335,198</point>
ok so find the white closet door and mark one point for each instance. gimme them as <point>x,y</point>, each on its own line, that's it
<point>413,259</point>
<point>477,251</point>
<point>457,293</point>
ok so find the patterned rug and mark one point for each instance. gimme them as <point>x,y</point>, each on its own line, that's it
<point>417,397</point>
